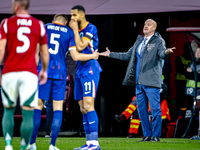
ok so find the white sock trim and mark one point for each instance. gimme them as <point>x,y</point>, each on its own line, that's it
<point>94,142</point>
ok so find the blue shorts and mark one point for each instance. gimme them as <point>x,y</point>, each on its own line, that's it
<point>86,86</point>
<point>54,89</point>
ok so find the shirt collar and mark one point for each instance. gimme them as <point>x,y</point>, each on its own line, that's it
<point>23,15</point>
<point>149,37</point>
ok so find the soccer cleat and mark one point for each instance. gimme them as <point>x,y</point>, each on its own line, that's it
<point>145,139</point>
<point>155,139</point>
<point>194,137</point>
<point>9,147</point>
<point>51,147</point>
<point>84,147</point>
<point>93,147</point>
<point>48,134</point>
<point>31,147</point>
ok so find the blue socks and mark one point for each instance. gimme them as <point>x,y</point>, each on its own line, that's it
<point>49,115</point>
<point>93,127</point>
<point>36,122</point>
<point>55,126</point>
<point>86,127</point>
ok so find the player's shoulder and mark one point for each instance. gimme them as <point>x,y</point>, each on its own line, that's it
<point>66,30</point>
<point>91,28</point>
<point>59,28</point>
<point>48,24</point>
<point>90,25</point>
<point>7,19</point>
<point>4,20</point>
<point>36,20</point>
<point>69,29</point>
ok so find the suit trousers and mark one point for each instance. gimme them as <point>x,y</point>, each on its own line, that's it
<point>144,94</point>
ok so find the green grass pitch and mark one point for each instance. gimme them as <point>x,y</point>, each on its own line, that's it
<point>67,143</point>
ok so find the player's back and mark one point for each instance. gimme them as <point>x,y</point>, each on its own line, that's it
<point>22,32</point>
<point>60,40</point>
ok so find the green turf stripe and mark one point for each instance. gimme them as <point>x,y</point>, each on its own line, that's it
<point>29,101</point>
<point>7,97</point>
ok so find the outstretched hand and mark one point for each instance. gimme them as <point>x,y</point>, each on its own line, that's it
<point>169,50</point>
<point>106,53</point>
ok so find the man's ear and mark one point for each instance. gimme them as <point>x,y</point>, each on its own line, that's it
<point>82,15</point>
<point>65,23</point>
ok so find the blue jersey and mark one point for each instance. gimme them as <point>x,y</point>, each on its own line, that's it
<point>84,68</point>
<point>60,40</point>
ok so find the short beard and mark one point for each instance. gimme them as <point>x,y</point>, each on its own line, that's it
<point>79,23</point>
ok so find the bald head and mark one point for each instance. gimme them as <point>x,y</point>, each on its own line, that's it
<point>149,27</point>
<point>153,22</point>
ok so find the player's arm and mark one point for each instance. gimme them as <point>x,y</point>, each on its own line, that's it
<point>2,49</point>
<point>3,39</point>
<point>44,54</point>
<point>80,43</point>
<point>37,57</point>
<point>76,56</point>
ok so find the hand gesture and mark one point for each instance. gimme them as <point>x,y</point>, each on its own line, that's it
<point>73,24</point>
<point>42,77</point>
<point>106,53</point>
<point>169,50</point>
<point>96,54</point>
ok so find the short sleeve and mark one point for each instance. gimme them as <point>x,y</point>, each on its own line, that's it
<point>90,33</point>
<point>3,29</point>
<point>43,34</point>
<point>72,44</point>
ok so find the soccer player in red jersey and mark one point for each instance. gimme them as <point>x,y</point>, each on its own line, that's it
<point>21,33</point>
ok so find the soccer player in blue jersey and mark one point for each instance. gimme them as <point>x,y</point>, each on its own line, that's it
<point>60,41</point>
<point>87,75</point>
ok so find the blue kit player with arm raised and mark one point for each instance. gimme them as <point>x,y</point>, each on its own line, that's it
<point>60,41</point>
<point>86,76</point>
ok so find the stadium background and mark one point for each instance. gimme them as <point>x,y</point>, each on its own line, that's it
<point>118,32</point>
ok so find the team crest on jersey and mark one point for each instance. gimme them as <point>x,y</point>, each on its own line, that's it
<point>150,46</point>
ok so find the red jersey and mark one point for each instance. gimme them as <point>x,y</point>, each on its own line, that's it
<point>22,32</point>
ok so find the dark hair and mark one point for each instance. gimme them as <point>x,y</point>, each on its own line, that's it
<point>79,7</point>
<point>24,3</point>
<point>60,15</point>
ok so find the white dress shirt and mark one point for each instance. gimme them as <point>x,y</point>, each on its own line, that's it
<point>148,38</point>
